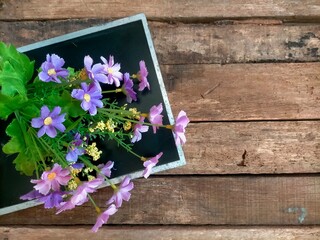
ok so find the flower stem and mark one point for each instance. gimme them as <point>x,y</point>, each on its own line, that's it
<point>40,155</point>
<point>128,148</point>
<point>113,91</point>
<point>98,210</point>
<point>89,164</point>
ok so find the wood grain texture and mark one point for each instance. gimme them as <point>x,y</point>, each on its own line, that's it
<point>251,147</point>
<point>207,200</point>
<point>244,91</point>
<point>159,233</point>
<point>163,9</point>
<point>235,42</point>
<point>260,118</point>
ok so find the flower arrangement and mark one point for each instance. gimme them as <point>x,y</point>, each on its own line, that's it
<point>58,113</point>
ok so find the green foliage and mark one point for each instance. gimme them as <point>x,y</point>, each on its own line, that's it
<point>10,104</point>
<point>16,143</point>
<point>24,164</point>
<point>15,71</point>
<point>19,61</point>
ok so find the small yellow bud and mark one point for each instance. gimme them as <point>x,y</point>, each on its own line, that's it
<point>127,126</point>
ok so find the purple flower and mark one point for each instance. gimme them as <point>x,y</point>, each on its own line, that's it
<point>179,128</point>
<point>52,179</point>
<point>122,193</point>
<point>138,129</point>
<point>105,169</point>
<point>103,217</point>
<point>74,151</point>
<point>127,88</point>
<point>95,72</point>
<point>34,194</point>
<point>155,116</point>
<point>80,195</point>
<point>142,76</point>
<point>51,69</point>
<point>77,141</point>
<point>149,164</point>
<point>77,166</point>
<point>48,122</point>
<point>112,71</point>
<point>52,200</point>
<point>90,97</point>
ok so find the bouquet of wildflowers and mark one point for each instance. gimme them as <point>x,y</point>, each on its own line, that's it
<point>57,115</point>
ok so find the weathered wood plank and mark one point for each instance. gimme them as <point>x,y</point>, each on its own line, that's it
<point>159,233</point>
<point>163,9</point>
<point>234,200</point>
<point>252,147</point>
<point>245,91</point>
<point>237,42</point>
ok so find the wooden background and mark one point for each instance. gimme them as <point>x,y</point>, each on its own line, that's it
<point>247,72</point>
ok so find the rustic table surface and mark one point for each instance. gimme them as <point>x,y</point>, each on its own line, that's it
<point>247,72</point>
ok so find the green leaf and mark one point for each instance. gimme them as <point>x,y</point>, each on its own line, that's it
<point>30,111</point>
<point>19,61</point>
<point>24,164</point>
<point>10,104</point>
<point>70,105</point>
<point>25,160</point>
<point>16,70</point>
<point>12,81</point>
<point>16,143</point>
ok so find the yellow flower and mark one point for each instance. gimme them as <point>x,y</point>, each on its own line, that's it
<point>110,125</point>
<point>127,126</point>
<point>90,177</point>
<point>72,185</point>
<point>101,126</point>
<point>135,113</point>
<point>93,151</point>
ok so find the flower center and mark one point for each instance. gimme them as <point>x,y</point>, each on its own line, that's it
<point>110,71</point>
<point>47,121</point>
<point>51,72</point>
<point>87,97</point>
<point>52,176</point>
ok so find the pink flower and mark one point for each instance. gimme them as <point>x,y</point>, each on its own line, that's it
<point>179,128</point>
<point>122,193</point>
<point>104,217</point>
<point>142,76</point>
<point>149,164</point>
<point>105,169</point>
<point>138,129</point>
<point>127,88</point>
<point>80,195</point>
<point>155,116</point>
<point>112,70</point>
<point>52,179</point>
